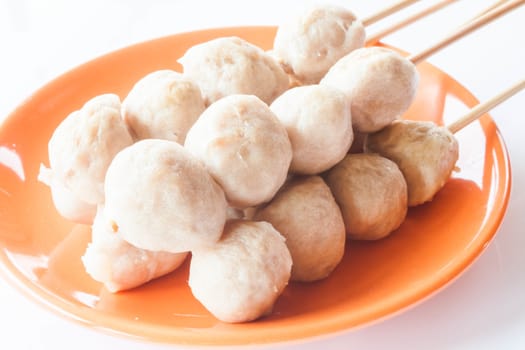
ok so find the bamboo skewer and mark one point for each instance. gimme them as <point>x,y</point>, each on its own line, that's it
<point>386,12</point>
<point>465,29</point>
<point>483,108</point>
<point>490,8</point>
<point>372,39</point>
<point>478,111</point>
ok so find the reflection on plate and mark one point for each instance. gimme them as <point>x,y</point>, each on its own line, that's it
<point>40,252</point>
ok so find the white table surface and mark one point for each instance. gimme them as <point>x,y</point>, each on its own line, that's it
<point>483,309</point>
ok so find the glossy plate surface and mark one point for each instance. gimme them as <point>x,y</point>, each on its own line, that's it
<point>40,252</point>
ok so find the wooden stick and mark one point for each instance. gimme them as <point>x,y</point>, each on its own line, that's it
<point>465,29</point>
<point>483,108</point>
<point>372,39</point>
<point>387,12</point>
<point>488,9</point>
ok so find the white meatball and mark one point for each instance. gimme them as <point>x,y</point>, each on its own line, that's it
<point>371,193</point>
<point>163,199</point>
<point>81,149</point>
<point>162,105</point>
<point>425,152</point>
<point>319,124</point>
<point>117,264</point>
<point>230,65</point>
<point>66,203</point>
<point>379,82</point>
<point>245,148</point>
<point>312,42</point>
<point>240,278</point>
<point>304,211</point>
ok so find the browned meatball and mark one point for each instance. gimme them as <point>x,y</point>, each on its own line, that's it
<point>371,193</point>
<point>305,213</point>
<point>425,152</point>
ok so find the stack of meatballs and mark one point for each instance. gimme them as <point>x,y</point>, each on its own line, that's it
<point>260,165</point>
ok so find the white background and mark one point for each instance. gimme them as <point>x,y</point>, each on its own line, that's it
<point>483,309</point>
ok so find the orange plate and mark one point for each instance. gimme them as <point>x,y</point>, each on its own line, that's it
<point>40,252</point>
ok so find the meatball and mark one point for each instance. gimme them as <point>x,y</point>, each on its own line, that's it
<point>372,194</point>
<point>80,151</point>
<point>379,83</point>
<point>119,265</point>
<point>319,124</point>
<point>162,105</point>
<point>163,199</point>
<point>240,278</point>
<point>231,65</point>
<point>304,211</point>
<point>245,148</point>
<point>66,203</point>
<point>425,152</point>
<point>312,42</point>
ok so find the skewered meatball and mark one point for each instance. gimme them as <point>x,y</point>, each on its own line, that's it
<point>162,105</point>
<point>119,265</point>
<point>425,152</point>
<point>163,199</point>
<point>240,278</point>
<point>318,121</point>
<point>304,211</point>
<point>80,151</point>
<point>309,44</point>
<point>245,148</point>
<point>231,65</point>
<point>371,193</point>
<point>379,82</point>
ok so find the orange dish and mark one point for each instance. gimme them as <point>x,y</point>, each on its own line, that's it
<point>40,251</point>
